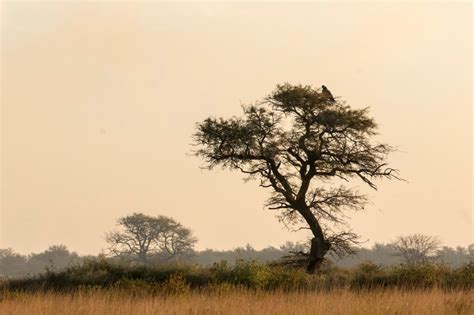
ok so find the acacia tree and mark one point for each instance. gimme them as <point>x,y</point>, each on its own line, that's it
<point>56,257</point>
<point>12,263</point>
<point>417,249</point>
<point>300,143</point>
<point>143,236</point>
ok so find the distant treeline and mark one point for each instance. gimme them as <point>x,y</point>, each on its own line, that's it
<point>59,257</point>
<point>379,254</point>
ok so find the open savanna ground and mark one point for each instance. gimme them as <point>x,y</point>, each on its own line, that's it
<point>243,301</point>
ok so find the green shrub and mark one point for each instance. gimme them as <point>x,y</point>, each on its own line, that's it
<point>367,276</point>
<point>288,279</point>
<point>422,276</point>
<point>250,274</point>
<point>462,277</point>
<point>99,274</point>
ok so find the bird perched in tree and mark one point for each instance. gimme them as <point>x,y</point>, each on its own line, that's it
<point>327,94</point>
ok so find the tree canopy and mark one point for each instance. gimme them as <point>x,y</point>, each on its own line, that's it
<point>417,249</point>
<point>142,236</point>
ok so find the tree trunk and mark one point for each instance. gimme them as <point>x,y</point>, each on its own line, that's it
<point>142,256</point>
<point>319,245</point>
<point>319,248</point>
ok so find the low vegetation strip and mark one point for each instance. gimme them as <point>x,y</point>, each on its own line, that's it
<point>101,274</point>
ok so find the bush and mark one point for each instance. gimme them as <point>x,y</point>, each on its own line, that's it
<point>422,276</point>
<point>370,276</point>
<point>462,277</point>
<point>177,279</point>
<point>367,276</point>
<point>250,274</point>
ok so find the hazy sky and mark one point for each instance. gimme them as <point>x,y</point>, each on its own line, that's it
<point>99,102</point>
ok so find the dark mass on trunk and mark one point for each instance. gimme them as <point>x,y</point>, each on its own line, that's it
<point>302,146</point>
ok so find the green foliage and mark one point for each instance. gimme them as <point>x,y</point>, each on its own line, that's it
<point>250,274</point>
<point>462,277</point>
<point>425,276</point>
<point>222,277</point>
<point>14,265</point>
<point>368,276</point>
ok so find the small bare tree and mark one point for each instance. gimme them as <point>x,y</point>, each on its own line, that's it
<point>417,249</point>
<point>142,236</point>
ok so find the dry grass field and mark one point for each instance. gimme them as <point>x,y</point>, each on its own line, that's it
<point>243,302</point>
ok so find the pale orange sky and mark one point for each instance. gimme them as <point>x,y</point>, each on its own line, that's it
<point>99,101</point>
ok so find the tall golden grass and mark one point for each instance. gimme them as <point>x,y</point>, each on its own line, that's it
<point>241,301</point>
